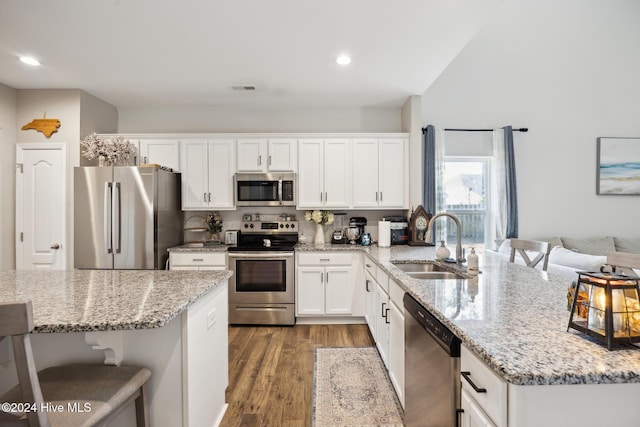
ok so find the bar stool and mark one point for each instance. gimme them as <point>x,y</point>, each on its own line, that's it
<point>522,246</point>
<point>69,395</point>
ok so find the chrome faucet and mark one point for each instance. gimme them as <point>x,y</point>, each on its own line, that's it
<point>459,255</point>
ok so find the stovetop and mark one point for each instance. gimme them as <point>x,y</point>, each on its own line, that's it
<point>272,236</point>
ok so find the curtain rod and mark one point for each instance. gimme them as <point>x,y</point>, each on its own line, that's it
<point>480,130</point>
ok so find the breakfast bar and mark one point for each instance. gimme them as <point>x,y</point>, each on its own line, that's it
<point>174,323</point>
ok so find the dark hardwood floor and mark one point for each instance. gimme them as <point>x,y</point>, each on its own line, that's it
<point>271,371</point>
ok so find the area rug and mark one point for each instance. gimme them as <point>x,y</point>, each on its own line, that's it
<point>351,388</point>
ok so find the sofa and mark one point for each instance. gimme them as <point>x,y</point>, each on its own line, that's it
<point>569,255</point>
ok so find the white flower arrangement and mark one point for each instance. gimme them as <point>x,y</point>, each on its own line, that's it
<point>319,217</point>
<point>114,150</point>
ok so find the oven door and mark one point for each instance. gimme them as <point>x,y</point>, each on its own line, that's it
<point>261,277</point>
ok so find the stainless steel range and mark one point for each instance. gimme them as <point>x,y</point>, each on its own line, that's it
<point>261,289</point>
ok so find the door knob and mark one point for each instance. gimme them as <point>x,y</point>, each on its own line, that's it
<point>55,246</point>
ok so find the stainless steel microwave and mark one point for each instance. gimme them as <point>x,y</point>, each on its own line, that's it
<point>265,189</point>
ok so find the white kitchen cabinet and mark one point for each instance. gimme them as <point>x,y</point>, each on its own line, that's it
<point>324,178</point>
<point>473,415</point>
<point>370,298</point>
<point>325,285</point>
<point>380,173</point>
<point>382,323</point>
<point>396,339</point>
<point>164,152</point>
<point>488,407</point>
<point>207,173</point>
<point>267,155</point>
<point>200,261</point>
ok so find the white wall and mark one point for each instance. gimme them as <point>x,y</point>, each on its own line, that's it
<point>569,72</point>
<point>211,119</point>
<point>79,113</point>
<point>7,176</point>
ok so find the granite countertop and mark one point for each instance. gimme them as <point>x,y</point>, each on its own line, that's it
<point>102,300</point>
<point>192,247</point>
<point>513,317</point>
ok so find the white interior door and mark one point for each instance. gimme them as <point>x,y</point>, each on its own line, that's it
<point>40,207</point>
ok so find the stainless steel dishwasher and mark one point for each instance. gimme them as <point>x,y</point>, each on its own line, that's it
<point>432,369</point>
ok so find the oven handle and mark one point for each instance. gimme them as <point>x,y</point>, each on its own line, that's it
<point>261,255</point>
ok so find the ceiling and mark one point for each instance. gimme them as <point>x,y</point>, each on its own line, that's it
<point>136,53</point>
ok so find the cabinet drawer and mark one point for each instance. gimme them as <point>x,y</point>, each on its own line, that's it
<point>396,293</point>
<point>323,258</point>
<point>383,279</point>
<point>198,258</point>
<point>370,266</point>
<point>494,401</point>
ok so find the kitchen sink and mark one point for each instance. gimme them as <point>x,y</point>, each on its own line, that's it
<point>415,267</point>
<point>426,271</point>
<point>432,275</point>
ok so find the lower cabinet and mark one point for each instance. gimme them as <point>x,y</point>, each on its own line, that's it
<point>197,261</point>
<point>325,285</point>
<point>385,317</point>
<point>396,339</point>
<point>484,393</point>
<point>473,415</point>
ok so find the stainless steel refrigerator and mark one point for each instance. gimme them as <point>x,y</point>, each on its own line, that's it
<point>125,217</point>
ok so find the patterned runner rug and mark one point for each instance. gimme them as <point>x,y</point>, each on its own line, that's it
<point>351,388</point>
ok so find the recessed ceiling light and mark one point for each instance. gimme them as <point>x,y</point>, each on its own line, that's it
<point>343,60</point>
<point>29,60</point>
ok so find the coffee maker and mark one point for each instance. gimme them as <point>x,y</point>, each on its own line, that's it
<point>399,229</point>
<point>358,222</point>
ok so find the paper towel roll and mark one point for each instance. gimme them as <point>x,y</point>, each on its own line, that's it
<point>384,234</point>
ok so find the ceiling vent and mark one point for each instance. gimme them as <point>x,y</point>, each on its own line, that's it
<point>243,87</point>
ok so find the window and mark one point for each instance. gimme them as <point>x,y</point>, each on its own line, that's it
<point>465,184</point>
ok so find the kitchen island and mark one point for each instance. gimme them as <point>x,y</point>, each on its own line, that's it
<point>173,322</point>
<point>514,319</point>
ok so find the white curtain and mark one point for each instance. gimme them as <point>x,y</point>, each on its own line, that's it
<point>498,208</point>
<point>441,226</point>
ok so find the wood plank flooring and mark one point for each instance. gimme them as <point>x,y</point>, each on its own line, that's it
<point>271,371</point>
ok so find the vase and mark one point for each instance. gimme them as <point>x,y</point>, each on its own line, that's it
<point>102,161</point>
<point>319,238</point>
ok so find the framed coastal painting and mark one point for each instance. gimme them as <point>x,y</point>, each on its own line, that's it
<point>618,166</point>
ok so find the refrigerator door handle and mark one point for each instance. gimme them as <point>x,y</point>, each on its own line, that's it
<point>107,217</point>
<point>116,218</point>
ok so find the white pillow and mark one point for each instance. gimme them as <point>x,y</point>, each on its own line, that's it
<point>569,258</point>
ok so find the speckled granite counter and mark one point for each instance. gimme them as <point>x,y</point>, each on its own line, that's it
<point>101,300</point>
<point>514,317</point>
<point>196,248</point>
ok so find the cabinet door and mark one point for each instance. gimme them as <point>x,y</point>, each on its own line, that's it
<point>382,324</point>
<point>396,350</point>
<point>473,416</point>
<point>370,299</point>
<point>164,152</point>
<point>311,173</point>
<point>392,173</point>
<point>337,173</point>
<point>282,155</point>
<point>195,178</point>
<point>339,288</point>
<point>252,155</point>
<point>221,171</point>
<point>310,290</point>
<point>365,173</point>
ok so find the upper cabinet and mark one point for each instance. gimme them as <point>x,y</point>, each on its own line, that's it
<point>324,178</point>
<point>267,155</point>
<point>380,173</point>
<point>164,152</point>
<point>207,173</point>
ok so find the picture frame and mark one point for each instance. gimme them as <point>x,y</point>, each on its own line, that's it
<point>618,166</point>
